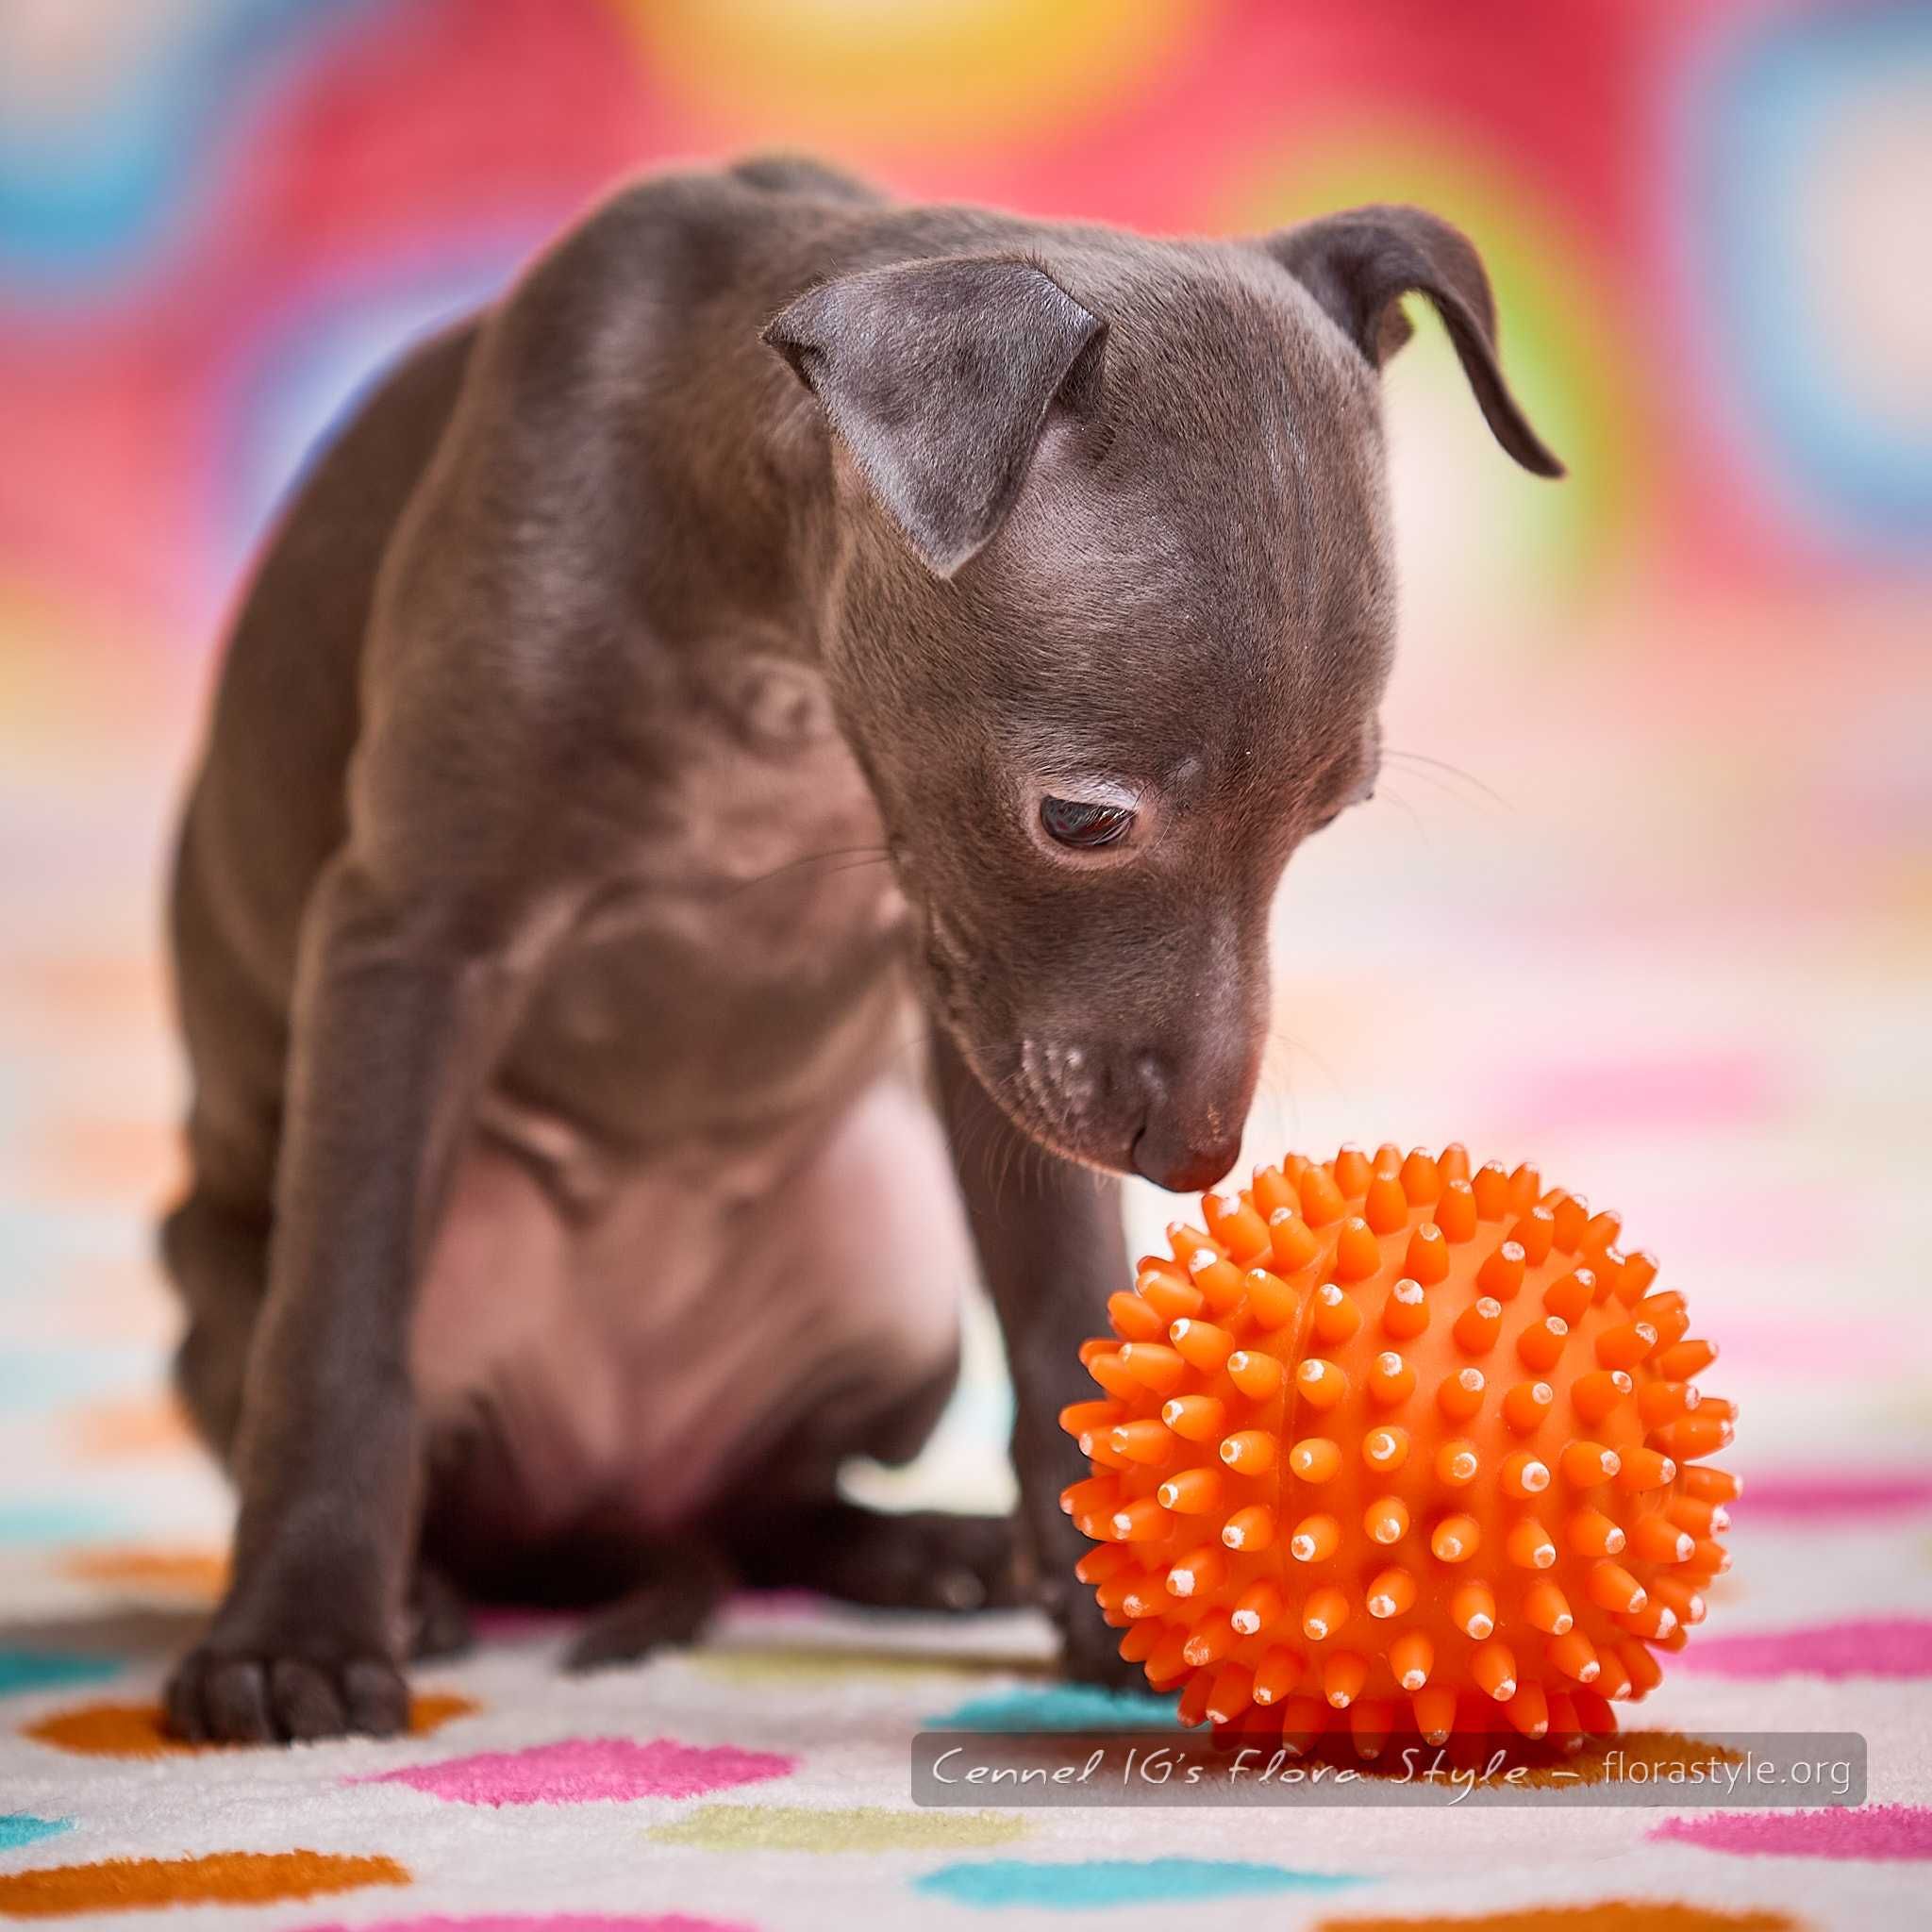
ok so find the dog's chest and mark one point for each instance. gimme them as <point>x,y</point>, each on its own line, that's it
<point>745,972</point>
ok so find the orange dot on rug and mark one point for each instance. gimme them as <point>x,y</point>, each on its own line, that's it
<point>1603,1915</point>
<point>202,1575</point>
<point>138,1730</point>
<point>220,1878</point>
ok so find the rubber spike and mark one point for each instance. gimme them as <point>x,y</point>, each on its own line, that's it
<point>1200,1573</point>
<point>1233,1222</point>
<point>1529,1711</point>
<point>1154,1365</point>
<point>1357,1254</point>
<point>1343,1673</point>
<point>1525,1406</point>
<point>1528,1544</point>
<point>1571,1298</point>
<point>1590,1533</point>
<point>1435,1713</point>
<point>1249,1452</point>
<point>1479,1325</point>
<point>1370,1723</point>
<point>1459,1395</point>
<point>1386,1520</point>
<point>1472,1610</point>
<point>1170,1298</point>
<point>1271,1301</point>
<point>1255,1372</point>
<point>1134,1318</point>
<point>1150,1442</point>
<point>1548,1608</point>
<point>1314,1538</point>
<point>1192,1492</point>
<point>1493,1670</point>
<point>1322,1202</point>
<point>1271,1191</point>
<point>1536,1235</point>
<point>1390,1592</point>
<point>1585,1463</point>
<point>1259,1607</point>
<point>1276,1674</point>
<point>1325,1613</point>
<point>1540,1346</point>
<point>1523,1474</point>
<point>1456,1213</point>
<point>1422,1180</point>
<point>1195,1418</point>
<point>1315,1459</point>
<point>1233,1692</point>
<point>1575,1654</point>
<point>1390,1380</point>
<point>1102,1563</point>
<point>1489,1184</point>
<point>1427,1258</point>
<point>1385,1206</point>
<point>1353,1173</point>
<point>1319,1383</point>
<point>1412,1658</point>
<point>1336,1316</point>
<point>1406,1313</point>
<point>1598,1393</point>
<point>1251,1529</point>
<point>1191,1708</point>
<point>1501,1275</point>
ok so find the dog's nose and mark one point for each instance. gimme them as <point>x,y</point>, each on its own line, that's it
<point>1182,1154</point>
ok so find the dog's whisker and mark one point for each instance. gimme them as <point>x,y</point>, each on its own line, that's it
<point>863,855</point>
<point>1442,771</point>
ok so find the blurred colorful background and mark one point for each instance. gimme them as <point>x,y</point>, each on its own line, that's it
<point>1647,893</point>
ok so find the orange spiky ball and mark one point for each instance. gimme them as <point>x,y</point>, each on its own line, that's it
<point>1391,1445</point>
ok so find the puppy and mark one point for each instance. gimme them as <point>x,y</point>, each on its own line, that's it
<point>783,613</point>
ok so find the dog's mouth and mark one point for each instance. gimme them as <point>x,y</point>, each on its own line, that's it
<point>1043,1088</point>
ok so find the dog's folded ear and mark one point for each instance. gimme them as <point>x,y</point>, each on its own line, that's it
<point>937,377</point>
<point>1360,264</point>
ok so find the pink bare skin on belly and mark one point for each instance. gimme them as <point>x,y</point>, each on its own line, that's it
<point>640,1359</point>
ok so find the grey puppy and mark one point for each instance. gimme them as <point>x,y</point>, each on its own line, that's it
<point>782,610</point>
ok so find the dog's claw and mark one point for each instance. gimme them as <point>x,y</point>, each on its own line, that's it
<point>222,1695</point>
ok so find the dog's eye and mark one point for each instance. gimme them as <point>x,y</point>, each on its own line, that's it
<point>1068,822</point>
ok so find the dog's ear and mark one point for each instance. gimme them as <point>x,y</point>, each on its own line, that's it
<point>937,377</point>
<point>1358,265</point>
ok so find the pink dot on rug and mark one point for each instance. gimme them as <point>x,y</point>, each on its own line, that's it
<point>548,1921</point>
<point>1803,1498</point>
<point>1861,1647</point>
<point>583,1770</point>
<point>1864,1831</point>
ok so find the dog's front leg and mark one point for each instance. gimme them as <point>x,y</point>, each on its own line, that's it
<point>1051,1248</point>
<point>394,1020</point>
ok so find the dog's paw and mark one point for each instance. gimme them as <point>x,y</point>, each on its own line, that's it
<point>439,1618</point>
<point>658,1616</point>
<point>286,1691</point>
<point>1090,1646</point>
<point>925,1559</point>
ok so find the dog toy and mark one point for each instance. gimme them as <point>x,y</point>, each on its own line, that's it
<point>1389,1445</point>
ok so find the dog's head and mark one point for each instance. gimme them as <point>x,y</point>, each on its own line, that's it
<point>1110,627</point>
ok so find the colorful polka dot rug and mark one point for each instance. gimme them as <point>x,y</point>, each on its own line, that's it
<point>1644,898</point>
<point>762,1780</point>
